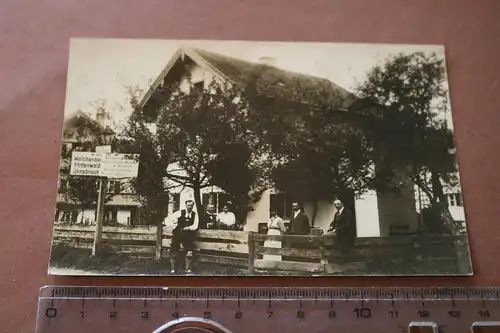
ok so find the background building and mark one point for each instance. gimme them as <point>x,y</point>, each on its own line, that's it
<point>121,208</point>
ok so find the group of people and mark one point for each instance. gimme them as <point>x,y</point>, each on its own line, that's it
<point>343,226</point>
<point>186,222</point>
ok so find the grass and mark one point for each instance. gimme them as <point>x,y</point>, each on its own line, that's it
<point>108,262</point>
<point>111,263</point>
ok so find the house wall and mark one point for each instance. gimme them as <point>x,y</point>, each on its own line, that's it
<point>123,216</point>
<point>457,209</point>
<point>260,214</point>
<point>367,219</point>
<point>87,216</point>
<point>324,214</point>
<point>197,74</point>
<point>367,215</point>
<point>398,209</point>
<point>188,194</point>
<point>374,214</point>
<point>458,213</point>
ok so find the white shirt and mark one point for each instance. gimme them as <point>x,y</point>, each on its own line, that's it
<point>341,210</point>
<point>228,218</point>
<point>296,214</point>
<point>171,220</point>
<point>276,223</point>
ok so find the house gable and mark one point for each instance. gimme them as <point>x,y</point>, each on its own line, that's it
<point>80,127</point>
<point>265,80</point>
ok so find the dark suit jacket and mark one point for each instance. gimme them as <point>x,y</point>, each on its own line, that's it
<point>300,225</point>
<point>207,218</point>
<point>344,223</point>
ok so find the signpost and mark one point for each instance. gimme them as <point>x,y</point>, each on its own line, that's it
<point>119,166</point>
<point>103,149</point>
<point>86,164</point>
<point>103,164</point>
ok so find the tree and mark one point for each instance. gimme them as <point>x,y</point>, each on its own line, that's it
<point>317,151</point>
<point>149,187</point>
<point>241,177</point>
<point>85,136</point>
<point>403,104</point>
<point>191,138</point>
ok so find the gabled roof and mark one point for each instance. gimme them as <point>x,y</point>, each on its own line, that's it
<point>77,117</point>
<point>79,122</point>
<point>269,80</point>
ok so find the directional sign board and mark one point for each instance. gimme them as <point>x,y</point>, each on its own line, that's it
<point>103,149</point>
<point>119,166</point>
<point>104,165</point>
<point>86,164</point>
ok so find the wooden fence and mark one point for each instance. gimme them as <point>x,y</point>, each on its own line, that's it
<point>259,252</point>
<point>221,247</point>
<point>320,254</point>
<point>139,241</point>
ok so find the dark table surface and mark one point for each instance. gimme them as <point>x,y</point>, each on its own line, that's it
<point>34,49</point>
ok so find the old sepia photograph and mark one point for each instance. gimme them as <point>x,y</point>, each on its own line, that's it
<point>234,158</point>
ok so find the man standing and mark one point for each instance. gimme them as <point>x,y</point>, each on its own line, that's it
<point>344,226</point>
<point>299,224</point>
<point>210,219</point>
<point>185,225</point>
<point>226,220</point>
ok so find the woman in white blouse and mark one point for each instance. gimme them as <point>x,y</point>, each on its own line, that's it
<point>226,220</point>
<point>275,226</point>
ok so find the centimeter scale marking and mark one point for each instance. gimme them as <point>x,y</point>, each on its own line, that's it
<point>245,310</point>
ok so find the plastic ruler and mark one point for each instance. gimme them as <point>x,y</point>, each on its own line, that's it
<point>267,310</point>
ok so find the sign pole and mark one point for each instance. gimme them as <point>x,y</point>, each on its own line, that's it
<point>101,199</point>
<point>105,165</point>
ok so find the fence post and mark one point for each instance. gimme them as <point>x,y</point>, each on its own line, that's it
<point>159,240</point>
<point>251,252</point>
<point>103,182</point>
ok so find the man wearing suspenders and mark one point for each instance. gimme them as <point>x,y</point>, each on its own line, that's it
<point>185,225</point>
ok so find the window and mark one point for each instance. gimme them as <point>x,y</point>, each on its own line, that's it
<point>215,198</point>
<point>134,216</point>
<point>118,187</point>
<point>451,200</point>
<point>176,201</point>
<point>68,216</point>
<point>282,204</point>
<point>209,198</point>
<point>74,216</point>
<point>455,199</point>
<point>199,86</point>
<point>114,186</point>
<point>111,215</point>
